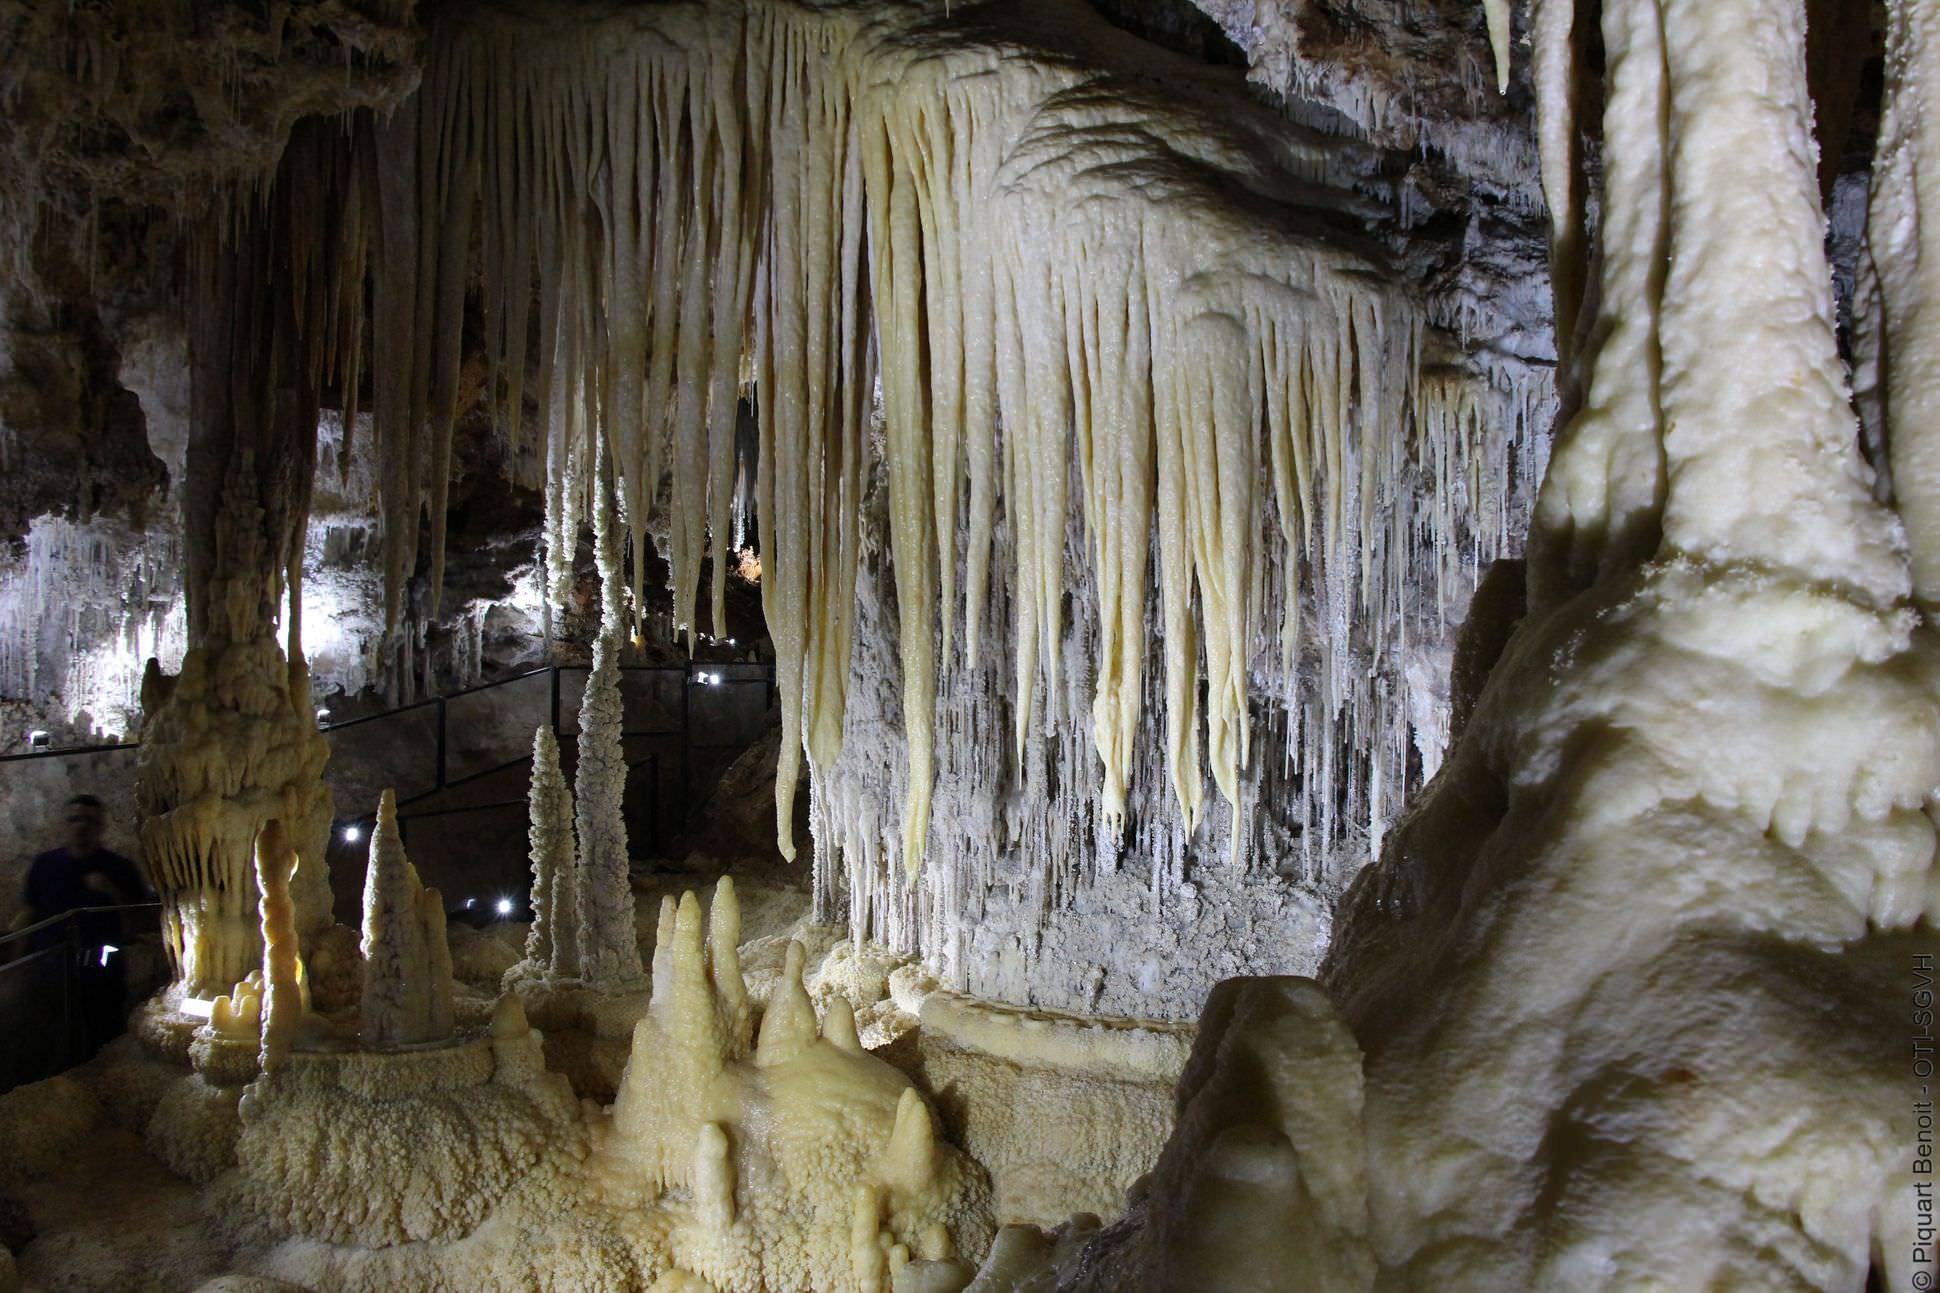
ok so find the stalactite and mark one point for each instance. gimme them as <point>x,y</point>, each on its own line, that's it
<point>1053,341</point>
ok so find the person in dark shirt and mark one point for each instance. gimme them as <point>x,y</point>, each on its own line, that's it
<point>81,875</point>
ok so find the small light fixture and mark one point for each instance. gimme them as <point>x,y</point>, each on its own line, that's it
<point>198,1007</point>
<point>38,739</point>
<point>107,950</point>
<point>323,716</point>
<point>353,833</point>
<point>505,906</point>
<point>470,903</point>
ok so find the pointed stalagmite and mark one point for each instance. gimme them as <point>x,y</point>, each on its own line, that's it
<point>866,1258</point>
<point>909,1161</point>
<point>713,1177</point>
<point>663,948</point>
<point>724,965</point>
<point>407,963</point>
<point>838,1026</point>
<point>552,946</point>
<point>788,1026</point>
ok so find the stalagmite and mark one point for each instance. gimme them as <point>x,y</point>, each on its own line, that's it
<point>838,1027</point>
<point>285,994</point>
<point>407,963</point>
<point>724,964</point>
<point>909,1160</point>
<point>713,1177</point>
<point>552,945</point>
<point>609,955</point>
<point>238,1013</point>
<point>788,1025</point>
<point>764,1152</point>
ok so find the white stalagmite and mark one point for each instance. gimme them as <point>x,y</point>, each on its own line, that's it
<point>407,964</point>
<point>724,965</point>
<point>757,1155</point>
<point>552,945</point>
<point>609,953</point>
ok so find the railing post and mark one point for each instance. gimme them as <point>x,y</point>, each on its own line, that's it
<point>653,805</point>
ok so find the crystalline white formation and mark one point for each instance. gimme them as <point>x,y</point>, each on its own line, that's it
<point>608,955</point>
<point>1617,1006</point>
<point>552,945</point>
<point>1069,308</point>
<point>802,1162</point>
<point>407,963</point>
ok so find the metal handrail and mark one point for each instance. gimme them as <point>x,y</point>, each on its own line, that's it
<point>553,669</point>
<point>51,751</point>
<point>406,813</point>
<point>71,913</point>
<point>440,699</point>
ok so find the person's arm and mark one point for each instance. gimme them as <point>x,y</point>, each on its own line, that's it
<point>115,882</point>
<point>26,916</point>
<point>124,880</point>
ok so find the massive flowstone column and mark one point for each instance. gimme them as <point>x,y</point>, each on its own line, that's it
<point>1623,1003</point>
<point>232,742</point>
<point>1903,250</point>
